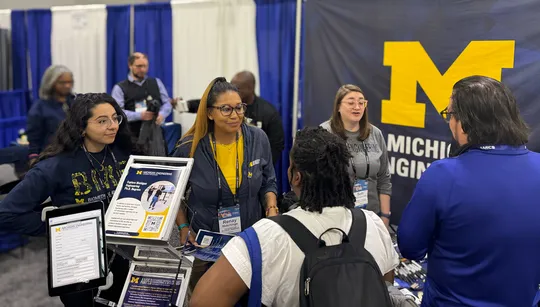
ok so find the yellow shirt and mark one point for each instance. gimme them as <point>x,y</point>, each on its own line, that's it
<point>226,159</point>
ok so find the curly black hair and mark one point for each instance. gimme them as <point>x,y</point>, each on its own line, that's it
<point>68,137</point>
<point>322,159</point>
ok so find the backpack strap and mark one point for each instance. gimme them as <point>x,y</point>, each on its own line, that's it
<point>301,236</point>
<point>357,234</point>
<point>254,248</point>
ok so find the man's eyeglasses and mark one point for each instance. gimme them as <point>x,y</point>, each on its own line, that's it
<point>226,110</point>
<point>446,115</point>
<point>107,122</point>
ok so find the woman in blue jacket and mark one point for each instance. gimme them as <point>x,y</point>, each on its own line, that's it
<point>232,183</point>
<point>476,214</point>
<point>83,164</point>
<point>50,109</point>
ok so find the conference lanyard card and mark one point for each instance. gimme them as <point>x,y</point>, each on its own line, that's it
<point>360,191</point>
<point>229,220</point>
<point>140,106</point>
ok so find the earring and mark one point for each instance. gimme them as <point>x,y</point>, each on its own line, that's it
<point>83,134</point>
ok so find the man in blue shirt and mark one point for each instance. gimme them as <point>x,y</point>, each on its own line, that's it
<point>138,91</point>
<point>476,214</point>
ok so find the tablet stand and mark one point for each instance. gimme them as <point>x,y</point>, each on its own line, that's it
<point>85,217</point>
<point>133,178</point>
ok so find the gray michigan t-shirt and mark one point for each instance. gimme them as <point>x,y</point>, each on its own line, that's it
<point>379,174</point>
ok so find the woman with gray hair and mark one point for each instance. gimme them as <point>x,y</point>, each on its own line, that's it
<point>50,109</point>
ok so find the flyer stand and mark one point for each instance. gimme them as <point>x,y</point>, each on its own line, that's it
<point>142,213</point>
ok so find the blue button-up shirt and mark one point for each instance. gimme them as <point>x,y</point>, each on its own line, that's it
<point>165,109</point>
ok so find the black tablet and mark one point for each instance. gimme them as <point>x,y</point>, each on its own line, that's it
<point>77,251</point>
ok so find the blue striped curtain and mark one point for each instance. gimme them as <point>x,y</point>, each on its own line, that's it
<point>276,24</point>
<point>153,36</point>
<point>39,45</point>
<point>118,42</point>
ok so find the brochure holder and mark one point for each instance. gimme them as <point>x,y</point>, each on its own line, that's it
<point>142,213</point>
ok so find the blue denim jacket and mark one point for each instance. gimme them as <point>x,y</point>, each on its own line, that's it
<point>258,178</point>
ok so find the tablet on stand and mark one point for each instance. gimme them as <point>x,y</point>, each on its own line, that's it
<point>77,252</point>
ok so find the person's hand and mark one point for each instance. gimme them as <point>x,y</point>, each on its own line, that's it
<point>184,234</point>
<point>159,120</point>
<point>174,102</point>
<point>386,221</point>
<point>272,211</point>
<point>147,115</point>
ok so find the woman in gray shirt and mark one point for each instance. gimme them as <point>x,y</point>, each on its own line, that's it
<point>369,165</point>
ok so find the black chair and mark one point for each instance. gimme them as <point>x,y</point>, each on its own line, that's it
<point>6,188</point>
<point>9,241</point>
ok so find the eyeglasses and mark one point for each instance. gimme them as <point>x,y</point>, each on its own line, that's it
<point>107,122</point>
<point>226,110</point>
<point>446,115</point>
<point>352,103</point>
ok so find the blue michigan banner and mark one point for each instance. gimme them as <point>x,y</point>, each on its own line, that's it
<point>406,56</point>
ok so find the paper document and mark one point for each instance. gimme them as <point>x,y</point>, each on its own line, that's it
<point>76,248</point>
<point>142,207</point>
<point>210,245</point>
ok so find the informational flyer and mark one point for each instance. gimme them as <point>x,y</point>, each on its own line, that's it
<point>143,204</point>
<point>209,245</point>
<point>76,248</point>
<point>152,290</point>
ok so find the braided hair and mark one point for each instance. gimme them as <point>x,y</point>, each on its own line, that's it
<point>322,159</point>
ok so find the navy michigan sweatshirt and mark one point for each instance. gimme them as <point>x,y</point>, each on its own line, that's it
<point>67,178</point>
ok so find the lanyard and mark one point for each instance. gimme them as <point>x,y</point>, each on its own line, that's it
<point>499,147</point>
<point>220,189</point>
<point>367,162</point>
<point>115,167</point>
<point>467,147</point>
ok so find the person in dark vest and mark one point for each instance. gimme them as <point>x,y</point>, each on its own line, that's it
<point>139,94</point>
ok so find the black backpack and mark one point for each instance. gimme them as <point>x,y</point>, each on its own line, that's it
<point>339,275</point>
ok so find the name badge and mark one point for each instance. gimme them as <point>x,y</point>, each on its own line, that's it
<point>360,191</point>
<point>229,220</point>
<point>140,106</point>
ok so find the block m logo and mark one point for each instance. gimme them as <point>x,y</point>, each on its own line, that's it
<point>411,64</point>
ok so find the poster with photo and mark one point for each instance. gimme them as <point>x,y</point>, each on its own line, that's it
<point>142,206</point>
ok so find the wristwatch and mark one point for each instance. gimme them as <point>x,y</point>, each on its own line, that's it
<point>386,215</point>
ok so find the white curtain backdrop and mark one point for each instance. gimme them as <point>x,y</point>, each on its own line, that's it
<point>211,38</point>
<point>5,19</point>
<point>79,41</point>
<point>5,51</point>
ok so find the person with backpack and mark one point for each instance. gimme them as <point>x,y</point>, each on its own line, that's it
<point>323,253</point>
